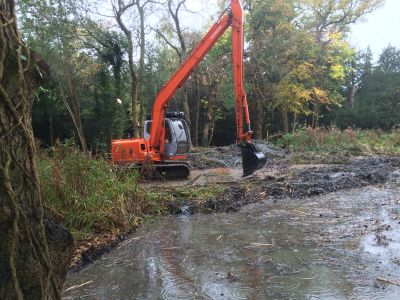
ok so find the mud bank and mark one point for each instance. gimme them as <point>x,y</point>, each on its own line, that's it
<point>295,182</point>
<point>288,181</point>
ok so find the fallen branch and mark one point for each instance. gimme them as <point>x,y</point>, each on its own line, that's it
<point>72,288</point>
<point>390,281</point>
<point>261,245</point>
<point>193,180</point>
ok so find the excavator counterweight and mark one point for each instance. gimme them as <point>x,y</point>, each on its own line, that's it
<point>166,140</point>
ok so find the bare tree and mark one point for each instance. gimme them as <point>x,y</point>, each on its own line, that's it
<point>141,8</point>
<point>174,9</point>
<point>119,9</point>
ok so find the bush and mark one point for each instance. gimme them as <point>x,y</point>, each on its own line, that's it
<point>333,141</point>
<point>89,195</point>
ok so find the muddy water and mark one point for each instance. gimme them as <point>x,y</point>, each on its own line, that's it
<point>342,245</point>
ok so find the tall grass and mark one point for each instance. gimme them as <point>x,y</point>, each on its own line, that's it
<point>333,140</point>
<point>89,195</point>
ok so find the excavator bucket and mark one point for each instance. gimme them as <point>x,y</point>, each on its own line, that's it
<point>252,159</point>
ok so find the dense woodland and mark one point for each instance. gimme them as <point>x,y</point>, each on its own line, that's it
<point>300,69</point>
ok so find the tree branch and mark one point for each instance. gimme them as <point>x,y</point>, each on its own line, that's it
<point>168,42</point>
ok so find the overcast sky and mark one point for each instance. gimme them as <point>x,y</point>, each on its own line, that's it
<point>379,29</point>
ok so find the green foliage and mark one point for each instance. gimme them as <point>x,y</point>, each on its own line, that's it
<point>87,192</point>
<point>297,60</point>
<point>377,100</point>
<point>347,142</point>
<point>183,193</point>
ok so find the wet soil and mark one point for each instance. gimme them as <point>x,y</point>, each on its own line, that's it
<point>277,179</point>
<point>294,182</point>
<point>230,156</point>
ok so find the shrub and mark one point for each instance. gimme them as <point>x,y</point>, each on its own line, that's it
<point>333,140</point>
<point>89,195</point>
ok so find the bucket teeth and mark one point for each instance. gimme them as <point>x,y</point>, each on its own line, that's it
<point>252,158</point>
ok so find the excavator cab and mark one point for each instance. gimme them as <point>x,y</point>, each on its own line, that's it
<point>176,138</point>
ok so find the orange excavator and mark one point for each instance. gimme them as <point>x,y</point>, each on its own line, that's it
<point>166,139</point>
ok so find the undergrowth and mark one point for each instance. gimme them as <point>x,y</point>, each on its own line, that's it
<point>87,193</point>
<point>183,193</point>
<point>338,143</point>
<point>92,198</point>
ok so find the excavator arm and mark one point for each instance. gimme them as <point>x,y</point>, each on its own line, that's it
<point>233,17</point>
<point>242,110</point>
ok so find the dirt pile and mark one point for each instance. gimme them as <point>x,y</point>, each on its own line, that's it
<point>230,156</point>
<point>296,183</point>
<point>327,179</point>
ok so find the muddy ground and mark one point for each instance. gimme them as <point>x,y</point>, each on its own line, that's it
<point>278,179</point>
<point>312,232</point>
<point>296,182</point>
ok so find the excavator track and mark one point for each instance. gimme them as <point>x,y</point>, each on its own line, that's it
<point>167,170</point>
<point>171,171</point>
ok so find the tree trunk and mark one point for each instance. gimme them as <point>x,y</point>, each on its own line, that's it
<point>258,121</point>
<point>350,96</point>
<point>51,130</point>
<point>142,113</point>
<point>285,120</point>
<point>205,138</point>
<point>35,250</point>
<point>315,118</point>
<point>294,123</point>
<point>186,103</point>
<point>132,69</point>
<point>198,100</point>
<point>135,118</point>
<point>117,77</point>
<point>75,115</point>
<point>212,130</point>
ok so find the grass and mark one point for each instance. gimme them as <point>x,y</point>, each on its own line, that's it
<point>183,193</point>
<point>87,193</point>
<point>92,198</point>
<point>339,144</point>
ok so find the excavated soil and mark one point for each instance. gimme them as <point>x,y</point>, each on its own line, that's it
<point>230,156</point>
<point>295,182</point>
